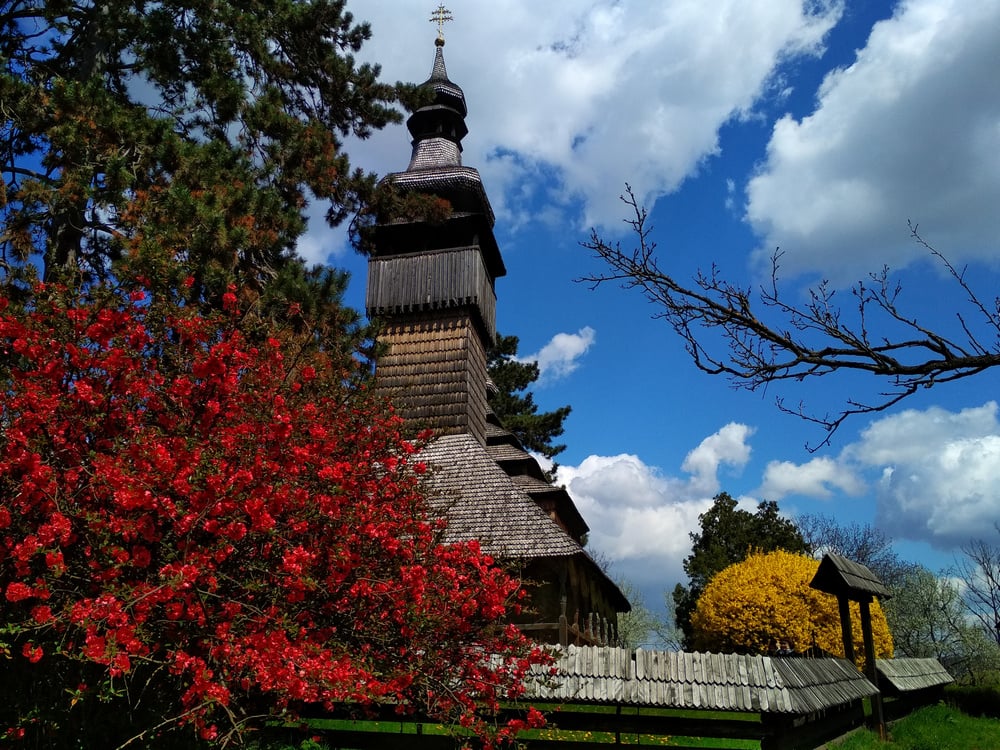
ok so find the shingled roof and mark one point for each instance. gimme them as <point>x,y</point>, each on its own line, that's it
<point>908,674</point>
<point>839,576</point>
<point>721,682</point>
<point>525,472</point>
<point>481,502</point>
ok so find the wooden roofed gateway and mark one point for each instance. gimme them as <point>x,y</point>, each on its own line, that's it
<point>851,581</point>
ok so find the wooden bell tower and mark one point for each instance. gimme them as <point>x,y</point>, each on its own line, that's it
<point>432,285</point>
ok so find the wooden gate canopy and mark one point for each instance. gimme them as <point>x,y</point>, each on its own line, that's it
<point>842,577</point>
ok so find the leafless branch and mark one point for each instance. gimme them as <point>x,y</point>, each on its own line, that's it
<point>726,330</point>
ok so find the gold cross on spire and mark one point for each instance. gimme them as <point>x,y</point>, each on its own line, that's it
<point>440,16</point>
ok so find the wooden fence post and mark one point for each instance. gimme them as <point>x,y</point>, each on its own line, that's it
<point>870,671</point>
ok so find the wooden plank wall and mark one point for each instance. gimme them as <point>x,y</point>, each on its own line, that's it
<point>434,370</point>
<point>433,280</point>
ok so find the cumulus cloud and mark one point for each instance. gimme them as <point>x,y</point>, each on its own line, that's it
<point>569,104</point>
<point>910,130</point>
<point>321,241</point>
<point>640,517</point>
<point>561,355</point>
<point>934,475</point>
<point>939,472</point>
<point>727,446</point>
<point>815,478</point>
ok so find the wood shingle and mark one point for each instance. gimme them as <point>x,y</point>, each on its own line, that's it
<point>908,674</point>
<point>721,682</point>
<point>481,502</point>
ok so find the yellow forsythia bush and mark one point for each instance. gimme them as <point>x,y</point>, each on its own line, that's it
<point>766,599</point>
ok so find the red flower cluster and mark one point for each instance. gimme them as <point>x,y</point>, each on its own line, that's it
<point>183,506</point>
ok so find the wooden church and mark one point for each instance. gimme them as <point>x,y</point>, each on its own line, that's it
<point>432,286</point>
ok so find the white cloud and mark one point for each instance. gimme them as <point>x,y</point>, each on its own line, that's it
<point>936,480</point>
<point>591,95</point>
<point>727,446</point>
<point>321,241</point>
<point>642,518</point>
<point>730,202</point>
<point>561,355</point>
<point>815,478</point>
<point>638,518</point>
<point>934,475</point>
<point>911,130</point>
<point>940,472</point>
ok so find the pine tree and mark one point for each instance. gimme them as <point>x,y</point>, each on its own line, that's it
<point>186,138</point>
<point>515,405</point>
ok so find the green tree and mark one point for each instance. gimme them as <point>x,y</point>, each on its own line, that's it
<point>728,535</point>
<point>638,627</point>
<point>515,405</point>
<point>302,301</point>
<point>668,634</point>
<point>928,618</point>
<point>185,137</point>
<point>979,571</point>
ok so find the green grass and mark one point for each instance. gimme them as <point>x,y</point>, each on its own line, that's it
<point>938,727</point>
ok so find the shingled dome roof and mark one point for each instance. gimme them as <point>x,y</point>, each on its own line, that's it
<point>439,127</point>
<point>447,92</point>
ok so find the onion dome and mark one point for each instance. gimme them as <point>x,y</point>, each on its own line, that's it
<point>435,168</point>
<point>439,127</point>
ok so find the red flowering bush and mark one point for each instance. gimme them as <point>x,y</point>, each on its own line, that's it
<point>197,530</point>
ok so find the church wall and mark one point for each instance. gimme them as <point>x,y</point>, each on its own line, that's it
<point>434,370</point>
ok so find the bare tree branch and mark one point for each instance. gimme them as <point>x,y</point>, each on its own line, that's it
<point>729,330</point>
<point>979,571</point>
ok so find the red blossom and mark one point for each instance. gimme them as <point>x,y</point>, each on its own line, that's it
<point>17,592</point>
<point>202,517</point>
<point>32,653</point>
<point>41,614</point>
<point>141,556</point>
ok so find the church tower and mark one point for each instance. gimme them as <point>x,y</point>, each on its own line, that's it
<point>432,285</point>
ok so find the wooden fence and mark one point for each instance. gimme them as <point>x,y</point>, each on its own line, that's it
<point>605,696</point>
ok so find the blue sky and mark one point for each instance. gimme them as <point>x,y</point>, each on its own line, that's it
<point>818,126</point>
